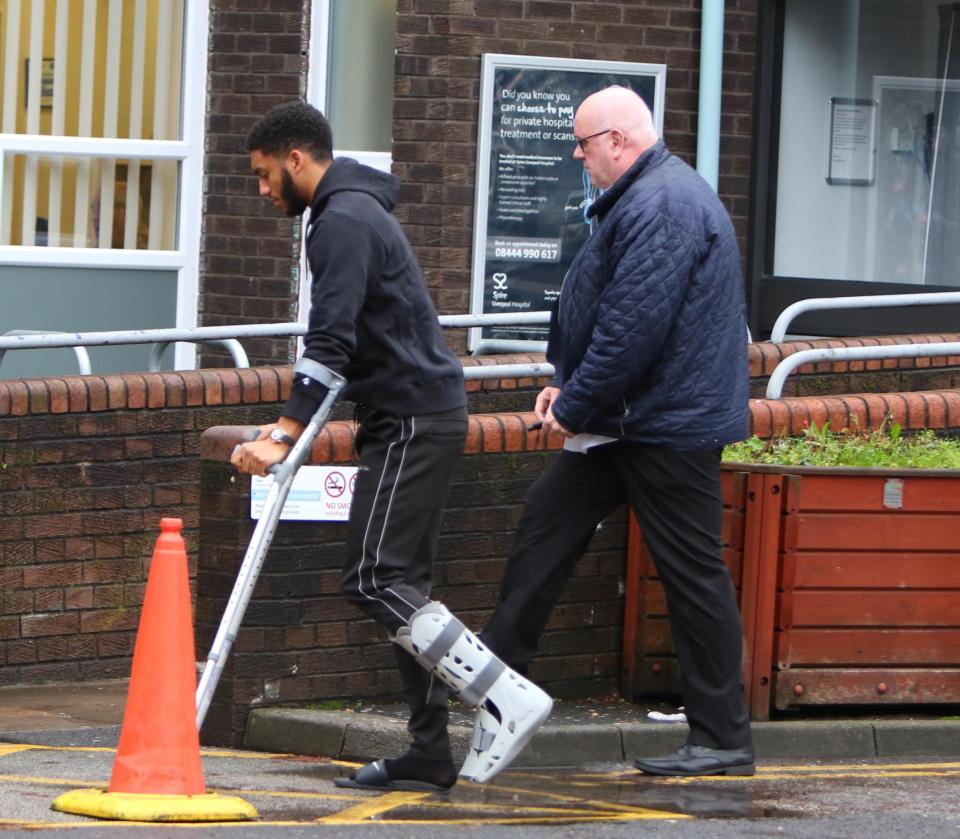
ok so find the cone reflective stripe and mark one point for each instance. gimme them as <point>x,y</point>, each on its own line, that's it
<point>157,775</point>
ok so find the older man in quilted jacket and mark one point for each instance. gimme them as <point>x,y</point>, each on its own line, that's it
<point>649,343</point>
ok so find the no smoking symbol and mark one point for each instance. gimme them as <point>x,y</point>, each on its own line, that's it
<point>335,484</point>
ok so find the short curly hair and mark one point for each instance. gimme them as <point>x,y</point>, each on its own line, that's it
<point>292,125</point>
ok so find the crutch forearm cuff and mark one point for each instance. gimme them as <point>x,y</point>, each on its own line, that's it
<point>317,372</point>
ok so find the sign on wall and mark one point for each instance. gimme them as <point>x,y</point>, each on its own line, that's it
<point>853,149</point>
<point>531,193</point>
<point>318,493</point>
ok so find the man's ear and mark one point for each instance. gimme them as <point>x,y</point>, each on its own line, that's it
<point>619,141</point>
<point>297,160</point>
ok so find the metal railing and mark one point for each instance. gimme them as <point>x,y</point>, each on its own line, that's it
<point>83,357</point>
<point>227,336</point>
<point>792,362</point>
<point>223,335</point>
<point>931,298</point>
<point>508,371</point>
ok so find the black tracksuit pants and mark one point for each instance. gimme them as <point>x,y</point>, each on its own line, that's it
<point>406,465</point>
<point>677,500</point>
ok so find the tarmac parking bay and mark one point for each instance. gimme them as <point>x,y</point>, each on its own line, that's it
<point>298,791</point>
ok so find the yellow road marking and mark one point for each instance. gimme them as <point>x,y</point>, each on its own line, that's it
<point>230,753</point>
<point>639,812</point>
<point>10,749</point>
<point>512,805</point>
<point>794,776</point>
<point>845,766</point>
<point>56,782</point>
<point>275,793</point>
<point>857,770</point>
<point>606,817</point>
<point>582,809</point>
<point>127,825</point>
<point>388,801</point>
<point>38,826</point>
<point>73,782</point>
<point>374,807</point>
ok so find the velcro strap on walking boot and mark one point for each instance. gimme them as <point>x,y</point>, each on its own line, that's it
<point>482,739</point>
<point>473,693</point>
<point>438,648</point>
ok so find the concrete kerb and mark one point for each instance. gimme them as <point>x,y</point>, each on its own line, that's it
<point>367,736</point>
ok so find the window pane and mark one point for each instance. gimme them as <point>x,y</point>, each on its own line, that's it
<point>91,202</point>
<point>868,184</point>
<point>84,300</point>
<point>71,68</point>
<point>360,73</point>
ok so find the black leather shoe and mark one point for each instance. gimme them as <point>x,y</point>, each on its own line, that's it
<point>699,760</point>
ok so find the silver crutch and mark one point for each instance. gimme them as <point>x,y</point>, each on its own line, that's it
<point>283,475</point>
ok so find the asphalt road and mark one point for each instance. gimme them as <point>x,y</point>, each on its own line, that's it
<point>295,797</point>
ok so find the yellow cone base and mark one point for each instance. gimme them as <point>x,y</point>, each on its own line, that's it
<point>147,807</point>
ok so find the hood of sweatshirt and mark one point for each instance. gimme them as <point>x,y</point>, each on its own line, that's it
<point>346,175</point>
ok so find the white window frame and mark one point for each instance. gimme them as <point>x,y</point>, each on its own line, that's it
<point>319,57</point>
<point>185,258</point>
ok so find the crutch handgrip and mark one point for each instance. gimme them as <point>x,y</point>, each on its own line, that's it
<point>252,434</point>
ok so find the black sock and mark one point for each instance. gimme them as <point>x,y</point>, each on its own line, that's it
<point>409,767</point>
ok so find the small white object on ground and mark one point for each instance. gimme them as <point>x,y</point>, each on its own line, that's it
<point>658,716</point>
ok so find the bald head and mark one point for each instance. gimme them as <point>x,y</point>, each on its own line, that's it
<point>624,130</point>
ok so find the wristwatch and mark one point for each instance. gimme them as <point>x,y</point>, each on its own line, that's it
<point>278,435</point>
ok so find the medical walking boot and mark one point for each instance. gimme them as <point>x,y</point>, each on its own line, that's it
<point>509,707</point>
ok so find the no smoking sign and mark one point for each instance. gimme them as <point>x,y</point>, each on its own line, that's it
<point>319,493</point>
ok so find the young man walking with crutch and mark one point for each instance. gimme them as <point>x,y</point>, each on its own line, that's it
<point>372,322</point>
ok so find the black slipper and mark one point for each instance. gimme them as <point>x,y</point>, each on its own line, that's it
<point>374,776</point>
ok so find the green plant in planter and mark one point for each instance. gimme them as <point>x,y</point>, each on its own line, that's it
<point>819,446</point>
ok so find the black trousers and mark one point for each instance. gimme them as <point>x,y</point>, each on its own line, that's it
<point>406,465</point>
<point>677,500</point>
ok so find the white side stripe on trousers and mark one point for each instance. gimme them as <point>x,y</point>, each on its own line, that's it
<point>377,593</point>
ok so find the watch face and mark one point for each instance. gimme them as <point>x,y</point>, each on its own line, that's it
<point>276,435</point>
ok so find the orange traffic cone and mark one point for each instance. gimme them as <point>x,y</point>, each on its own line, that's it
<point>157,774</point>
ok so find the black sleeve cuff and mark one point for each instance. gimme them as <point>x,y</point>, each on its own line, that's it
<point>305,397</point>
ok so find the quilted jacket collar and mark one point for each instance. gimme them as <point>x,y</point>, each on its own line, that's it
<point>652,157</point>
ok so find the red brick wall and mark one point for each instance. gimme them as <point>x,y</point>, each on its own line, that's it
<point>248,264</point>
<point>89,464</point>
<point>88,467</point>
<point>879,376</point>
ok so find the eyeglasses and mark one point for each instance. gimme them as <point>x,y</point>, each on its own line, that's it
<point>582,141</point>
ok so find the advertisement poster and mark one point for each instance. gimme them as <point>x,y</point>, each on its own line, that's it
<point>318,493</point>
<point>531,193</point>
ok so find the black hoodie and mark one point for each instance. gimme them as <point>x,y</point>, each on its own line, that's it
<point>371,318</point>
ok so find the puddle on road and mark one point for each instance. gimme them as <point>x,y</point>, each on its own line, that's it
<point>547,797</point>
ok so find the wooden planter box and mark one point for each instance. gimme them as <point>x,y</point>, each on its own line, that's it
<point>848,582</point>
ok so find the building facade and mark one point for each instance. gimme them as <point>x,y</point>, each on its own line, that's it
<point>127,200</point>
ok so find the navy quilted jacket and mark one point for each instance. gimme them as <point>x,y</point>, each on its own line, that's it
<point>649,336</point>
